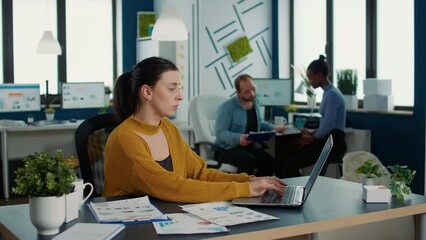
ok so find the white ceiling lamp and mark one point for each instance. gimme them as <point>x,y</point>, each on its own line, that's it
<point>169,27</point>
<point>48,44</point>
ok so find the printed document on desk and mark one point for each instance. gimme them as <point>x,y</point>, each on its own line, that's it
<point>260,136</point>
<point>225,213</point>
<point>186,223</point>
<point>90,231</point>
<point>134,210</point>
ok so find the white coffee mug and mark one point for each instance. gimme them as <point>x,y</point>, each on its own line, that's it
<point>280,121</point>
<point>79,186</point>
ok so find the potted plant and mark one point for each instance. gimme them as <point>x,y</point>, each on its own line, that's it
<point>50,113</point>
<point>401,178</point>
<point>347,83</point>
<point>370,171</point>
<point>290,109</point>
<point>108,92</point>
<point>45,179</point>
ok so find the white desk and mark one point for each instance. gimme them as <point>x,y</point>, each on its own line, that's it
<point>17,142</point>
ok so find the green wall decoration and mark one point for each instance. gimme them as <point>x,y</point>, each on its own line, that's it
<point>146,21</point>
<point>239,49</point>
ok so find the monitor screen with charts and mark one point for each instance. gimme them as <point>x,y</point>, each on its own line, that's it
<point>273,92</point>
<point>19,97</point>
<point>83,95</point>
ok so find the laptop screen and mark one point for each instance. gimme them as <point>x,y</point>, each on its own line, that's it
<point>319,165</point>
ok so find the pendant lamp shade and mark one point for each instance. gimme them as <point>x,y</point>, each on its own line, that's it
<point>169,27</point>
<point>48,44</point>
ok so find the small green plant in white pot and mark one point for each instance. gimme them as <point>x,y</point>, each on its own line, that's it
<point>370,171</point>
<point>50,113</point>
<point>347,83</point>
<point>45,180</point>
<point>108,92</point>
<point>401,178</point>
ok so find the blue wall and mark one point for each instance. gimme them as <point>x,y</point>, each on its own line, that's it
<point>129,12</point>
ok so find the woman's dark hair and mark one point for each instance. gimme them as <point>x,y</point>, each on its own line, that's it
<point>128,85</point>
<point>319,65</point>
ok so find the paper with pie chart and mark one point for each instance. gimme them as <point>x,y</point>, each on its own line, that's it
<point>185,223</point>
<point>226,214</point>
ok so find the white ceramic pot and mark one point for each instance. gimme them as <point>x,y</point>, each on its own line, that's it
<point>369,181</point>
<point>47,214</point>
<point>351,101</point>
<point>312,102</point>
<point>50,116</point>
<point>107,99</point>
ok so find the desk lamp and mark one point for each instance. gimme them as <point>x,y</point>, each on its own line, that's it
<point>302,89</point>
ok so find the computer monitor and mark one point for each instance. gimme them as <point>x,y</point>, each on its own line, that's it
<point>19,97</point>
<point>83,95</point>
<point>273,92</point>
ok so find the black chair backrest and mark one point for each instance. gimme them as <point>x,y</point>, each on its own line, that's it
<point>90,139</point>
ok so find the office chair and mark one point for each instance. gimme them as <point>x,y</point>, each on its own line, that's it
<point>335,159</point>
<point>352,160</point>
<point>90,139</point>
<point>336,155</point>
<point>202,114</point>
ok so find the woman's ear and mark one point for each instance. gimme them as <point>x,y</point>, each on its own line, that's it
<point>146,92</point>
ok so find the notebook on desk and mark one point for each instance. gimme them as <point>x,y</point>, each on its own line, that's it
<point>294,196</point>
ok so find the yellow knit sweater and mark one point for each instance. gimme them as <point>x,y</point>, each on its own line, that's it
<point>131,169</point>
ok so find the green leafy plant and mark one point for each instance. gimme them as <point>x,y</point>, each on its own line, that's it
<point>290,108</point>
<point>401,178</point>
<point>103,109</point>
<point>49,110</point>
<point>108,90</point>
<point>347,81</point>
<point>44,175</point>
<point>369,169</point>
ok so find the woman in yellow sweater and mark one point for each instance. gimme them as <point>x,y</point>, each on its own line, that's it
<point>146,154</point>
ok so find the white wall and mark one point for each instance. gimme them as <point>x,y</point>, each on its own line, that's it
<point>221,23</point>
<point>203,61</point>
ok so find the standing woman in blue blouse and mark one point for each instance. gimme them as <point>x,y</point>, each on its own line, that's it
<point>308,146</point>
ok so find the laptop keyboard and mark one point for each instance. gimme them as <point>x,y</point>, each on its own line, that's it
<point>287,199</point>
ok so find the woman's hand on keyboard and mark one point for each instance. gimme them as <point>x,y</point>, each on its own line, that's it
<point>258,185</point>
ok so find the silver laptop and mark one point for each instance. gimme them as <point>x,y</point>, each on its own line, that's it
<point>294,196</point>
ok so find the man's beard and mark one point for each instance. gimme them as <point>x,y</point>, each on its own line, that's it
<point>249,99</point>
